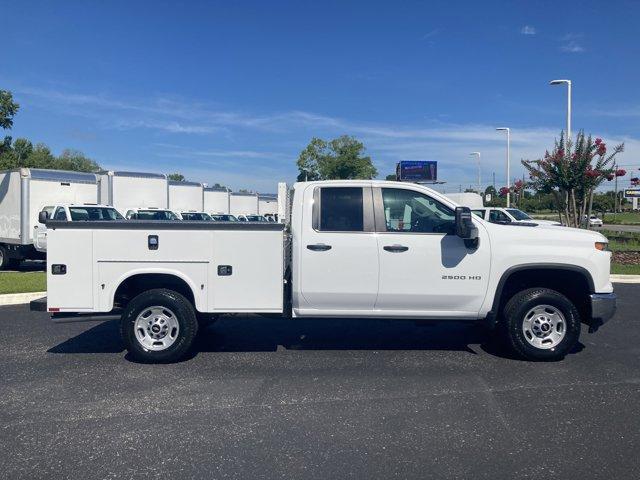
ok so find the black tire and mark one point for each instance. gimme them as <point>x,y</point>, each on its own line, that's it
<point>5,261</point>
<point>514,317</point>
<point>14,264</point>
<point>183,312</point>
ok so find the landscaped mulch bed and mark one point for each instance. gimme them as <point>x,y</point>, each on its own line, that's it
<point>626,258</point>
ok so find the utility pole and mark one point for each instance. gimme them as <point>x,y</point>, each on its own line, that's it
<point>494,180</point>
<point>508,130</point>
<point>615,199</point>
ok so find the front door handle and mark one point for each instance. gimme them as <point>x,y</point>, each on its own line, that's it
<point>319,247</point>
<point>395,248</point>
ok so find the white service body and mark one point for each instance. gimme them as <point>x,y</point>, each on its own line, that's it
<point>99,260</point>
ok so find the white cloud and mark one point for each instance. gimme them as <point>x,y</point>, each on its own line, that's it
<point>572,47</point>
<point>431,33</point>
<point>268,144</point>
<point>528,30</point>
<point>570,43</point>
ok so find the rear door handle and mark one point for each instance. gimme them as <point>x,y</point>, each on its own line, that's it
<point>319,247</point>
<point>395,248</point>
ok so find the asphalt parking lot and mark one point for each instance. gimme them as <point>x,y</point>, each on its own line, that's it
<point>269,398</point>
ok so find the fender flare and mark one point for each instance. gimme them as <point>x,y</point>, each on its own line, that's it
<point>493,313</point>
<point>159,271</point>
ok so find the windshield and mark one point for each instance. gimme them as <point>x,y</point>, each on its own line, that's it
<point>195,216</point>
<point>224,218</point>
<point>94,213</point>
<point>256,218</point>
<point>156,215</point>
<point>518,214</point>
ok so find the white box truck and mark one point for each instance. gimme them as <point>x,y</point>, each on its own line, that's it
<point>359,249</point>
<point>186,196</point>
<point>24,193</point>
<point>216,200</point>
<point>126,190</point>
<point>268,206</point>
<point>243,203</point>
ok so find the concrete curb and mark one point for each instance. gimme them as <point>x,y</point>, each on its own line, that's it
<point>625,278</point>
<point>18,298</point>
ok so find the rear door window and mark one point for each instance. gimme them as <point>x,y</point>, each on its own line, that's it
<point>341,209</point>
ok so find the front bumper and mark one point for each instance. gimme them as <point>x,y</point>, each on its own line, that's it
<point>603,307</point>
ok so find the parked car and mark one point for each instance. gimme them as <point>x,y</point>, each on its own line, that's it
<point>360,249</point>
<point>151,213</point>
<point>251,218</point>
<point>508,215</point>
<point>223,218</point>
<point>594,221</point>
<point>195,216</point>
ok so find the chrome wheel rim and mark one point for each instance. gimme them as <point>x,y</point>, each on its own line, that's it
<point>156,328</point>
<point>544,327</point>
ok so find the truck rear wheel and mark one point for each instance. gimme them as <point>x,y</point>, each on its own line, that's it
<point>5,261</point>
<point>541,324</point>
<point>159,326</point>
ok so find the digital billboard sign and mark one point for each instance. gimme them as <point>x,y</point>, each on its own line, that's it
<point>417,171</point>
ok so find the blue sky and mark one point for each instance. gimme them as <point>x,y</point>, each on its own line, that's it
<point>230,92</point>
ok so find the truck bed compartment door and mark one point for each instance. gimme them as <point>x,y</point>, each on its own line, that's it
<point>70,269</point>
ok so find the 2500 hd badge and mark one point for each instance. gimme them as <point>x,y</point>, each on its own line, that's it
<point>461,277</point>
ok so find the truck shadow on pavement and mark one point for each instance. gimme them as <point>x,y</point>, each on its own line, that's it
<point>259,334</point>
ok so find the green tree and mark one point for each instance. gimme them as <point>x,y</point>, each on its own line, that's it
<point>176,177</point>
<point>22,148</point>
<point>340,158</point>
<point>572,177</point>
<point>393,177</point>
<point>77,161</point>
<point>40,157</point>
<point>8,108</point>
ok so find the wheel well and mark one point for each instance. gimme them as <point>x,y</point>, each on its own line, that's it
<point>136,284</point>
<point>573,284</point>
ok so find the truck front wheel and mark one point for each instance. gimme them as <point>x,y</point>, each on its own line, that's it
<point>159,326</point>
<point>541,324</point>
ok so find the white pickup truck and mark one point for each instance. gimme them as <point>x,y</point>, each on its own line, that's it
<point>368,249</point>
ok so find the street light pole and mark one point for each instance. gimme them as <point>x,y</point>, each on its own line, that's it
<point>568,83</point>
<point>506,129</point>
<point>477,154</point>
